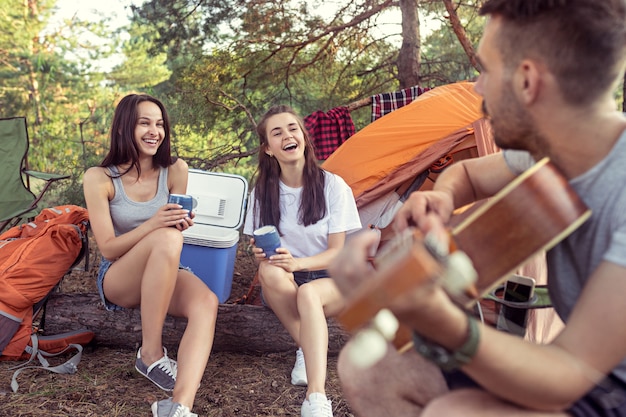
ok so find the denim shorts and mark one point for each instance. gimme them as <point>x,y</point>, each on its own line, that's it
<point>302,277</point>
<point>608,399</point>
<point>102,270</point>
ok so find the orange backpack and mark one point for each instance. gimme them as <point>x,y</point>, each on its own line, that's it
<point>34,257</point>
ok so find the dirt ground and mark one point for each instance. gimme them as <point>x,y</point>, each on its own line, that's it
<point>107,385</point>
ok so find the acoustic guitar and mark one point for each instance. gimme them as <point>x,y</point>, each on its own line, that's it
<point>531,214</point>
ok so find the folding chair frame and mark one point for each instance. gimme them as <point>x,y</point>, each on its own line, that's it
<point>29,210</point>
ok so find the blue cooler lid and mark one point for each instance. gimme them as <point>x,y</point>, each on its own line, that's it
<point>221,199</point>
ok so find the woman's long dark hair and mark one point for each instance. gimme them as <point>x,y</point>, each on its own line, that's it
<point>123,147</point>
<point>267,188</point>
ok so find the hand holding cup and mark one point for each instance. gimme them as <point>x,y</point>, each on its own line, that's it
<point>187,203</point>
<point>268,239</point>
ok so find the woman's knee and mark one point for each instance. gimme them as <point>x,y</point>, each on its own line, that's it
<point>203,305</point>
<point>308,297</point>
<point>208,299</point>
<point>208,303</point>
<point>165,241</point>
<point>271,276</point>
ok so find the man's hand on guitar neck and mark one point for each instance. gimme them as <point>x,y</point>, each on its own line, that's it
<point>427,308</point>
<point>351,268</point>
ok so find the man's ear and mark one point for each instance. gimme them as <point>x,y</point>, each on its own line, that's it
<point>528,81</point>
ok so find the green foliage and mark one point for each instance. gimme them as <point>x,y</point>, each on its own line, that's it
<point>443,59</point>
<point>140,71</point>
<point>22,56</point>
<point>216,64</point>
<point>184,26</point>
<point>270,53</point>
<point>48,76</point>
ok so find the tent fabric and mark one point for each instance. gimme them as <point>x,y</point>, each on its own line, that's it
<point>408,140</point>
<point>413,167</point>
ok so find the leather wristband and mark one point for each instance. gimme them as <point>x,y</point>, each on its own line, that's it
<point>442,357</point>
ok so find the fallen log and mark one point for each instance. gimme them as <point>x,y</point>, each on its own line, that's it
<point>240,327</point>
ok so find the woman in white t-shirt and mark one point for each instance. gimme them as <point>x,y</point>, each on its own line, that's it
<point>313,211</point>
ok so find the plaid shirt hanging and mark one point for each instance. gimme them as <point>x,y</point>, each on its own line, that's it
<point>329,130</point>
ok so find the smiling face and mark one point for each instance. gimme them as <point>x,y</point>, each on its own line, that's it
<point>285,139</point>
<point>149,130</point>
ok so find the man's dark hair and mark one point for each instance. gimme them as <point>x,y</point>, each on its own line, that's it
<point>583,42</point>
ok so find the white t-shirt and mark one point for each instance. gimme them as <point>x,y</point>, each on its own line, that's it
<point>341,216</point>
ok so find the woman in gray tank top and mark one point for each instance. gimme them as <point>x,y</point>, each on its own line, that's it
<point>139,235</point>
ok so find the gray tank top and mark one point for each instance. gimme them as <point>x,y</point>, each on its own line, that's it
<point>128,214</point>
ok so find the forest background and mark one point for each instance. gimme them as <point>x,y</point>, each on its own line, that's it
<point>217,65</point>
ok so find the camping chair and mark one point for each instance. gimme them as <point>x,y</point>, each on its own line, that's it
<point>17,200</point>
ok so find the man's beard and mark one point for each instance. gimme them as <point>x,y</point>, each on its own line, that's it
<point>512,128</point>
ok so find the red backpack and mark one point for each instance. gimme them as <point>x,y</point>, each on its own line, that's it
<point>34,257</point>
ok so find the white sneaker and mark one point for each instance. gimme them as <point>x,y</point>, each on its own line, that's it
<point>168,408</point>
<point>317,405</point>
<point>298,373</point>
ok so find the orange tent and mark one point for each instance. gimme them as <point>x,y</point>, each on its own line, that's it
<point>393,155</point>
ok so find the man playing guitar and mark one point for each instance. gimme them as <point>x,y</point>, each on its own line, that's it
<point>548,76</point>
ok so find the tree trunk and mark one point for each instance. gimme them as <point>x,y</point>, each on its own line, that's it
<point>459,31</point>
<point>409,56</point>
<point>240,328</point>
<point>35,94</point>
<point>624,94</point>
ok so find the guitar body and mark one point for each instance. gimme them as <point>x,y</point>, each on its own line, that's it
<point>531,214</point>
